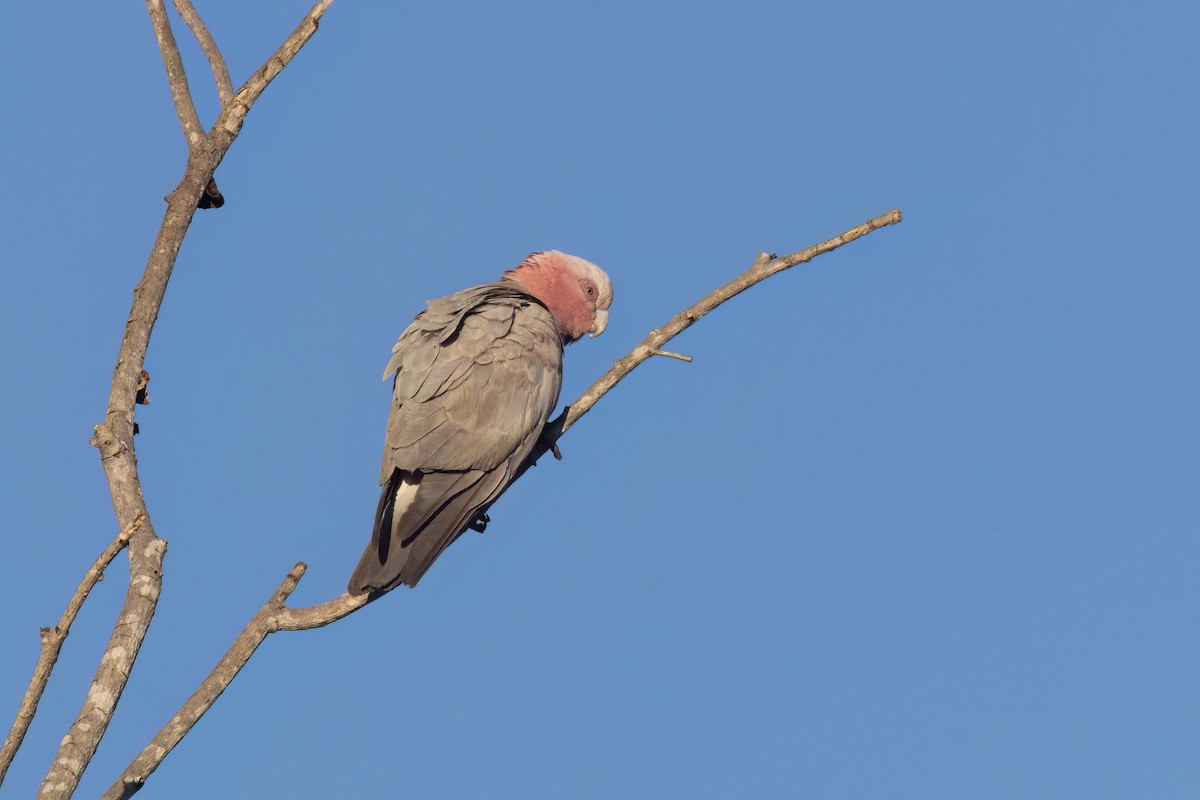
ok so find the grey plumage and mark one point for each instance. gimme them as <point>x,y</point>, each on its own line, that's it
<point>476,376</point>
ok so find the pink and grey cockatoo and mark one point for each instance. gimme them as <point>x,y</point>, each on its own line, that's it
<point>476,376</point>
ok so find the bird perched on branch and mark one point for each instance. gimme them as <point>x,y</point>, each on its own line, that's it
<point>476,376</point>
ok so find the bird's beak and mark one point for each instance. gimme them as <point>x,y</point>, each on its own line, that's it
<point>600,324</point>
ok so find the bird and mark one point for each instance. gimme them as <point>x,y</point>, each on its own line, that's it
<point>474,379</point>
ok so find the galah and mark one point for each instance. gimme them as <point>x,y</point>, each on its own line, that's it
<point>476,376</point>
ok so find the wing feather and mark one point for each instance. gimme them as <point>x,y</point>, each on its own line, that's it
<point>476,376</point>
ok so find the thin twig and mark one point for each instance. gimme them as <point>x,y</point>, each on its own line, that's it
<point>185,108</point>
<point>669,354</point>
<point>209,45</point>
<point>274,616</point>
<point>52,642</point>
<point>114,437</point>
<point>764,267</point>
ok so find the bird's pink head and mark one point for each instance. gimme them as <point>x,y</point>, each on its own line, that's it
<point>577,292</point>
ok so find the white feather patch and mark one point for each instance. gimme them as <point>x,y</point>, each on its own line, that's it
<point>406,493</point>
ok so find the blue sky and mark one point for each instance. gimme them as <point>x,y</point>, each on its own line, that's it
<point>920,521</point>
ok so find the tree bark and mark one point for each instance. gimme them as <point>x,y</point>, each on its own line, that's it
<point>114,436</point>
<point>275,616</point>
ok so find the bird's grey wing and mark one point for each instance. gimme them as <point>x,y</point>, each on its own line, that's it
<point>473,389</point>
<point>467,395</point>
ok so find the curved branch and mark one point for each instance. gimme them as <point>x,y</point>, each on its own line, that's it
<point>274,616</point>
<point>114,437</point>
<point>304,619</point>
<point>261,625</point>
<point>52,642</point>
<point>216,61</point>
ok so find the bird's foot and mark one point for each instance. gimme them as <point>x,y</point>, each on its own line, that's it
<point>480,523</point>
<point>548,439</point>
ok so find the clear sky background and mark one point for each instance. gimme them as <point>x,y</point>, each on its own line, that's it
<point>920,521</point>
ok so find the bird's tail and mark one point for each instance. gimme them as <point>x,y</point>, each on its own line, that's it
<point>372,573</point>
<point>418,516</point>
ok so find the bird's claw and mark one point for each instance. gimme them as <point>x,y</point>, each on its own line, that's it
<point>480,523</point>
<point>548,439</point>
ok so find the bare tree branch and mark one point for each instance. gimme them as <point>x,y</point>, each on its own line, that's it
<point>265,622</point>
<point>52,642</point>
<point>272,617</point>
<point>234,114</point>
<point>114,437</point>
<point>193,131</point>
<point>275,616</point>
<point>764,267</point>
<point>676,356</point>
<point>209,45</point>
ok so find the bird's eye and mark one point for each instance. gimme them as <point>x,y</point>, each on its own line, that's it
<point>589,289</point>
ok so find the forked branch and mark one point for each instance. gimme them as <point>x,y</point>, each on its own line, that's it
<point>275,616</point>
<point>114,436</point>
<point>52,642</point>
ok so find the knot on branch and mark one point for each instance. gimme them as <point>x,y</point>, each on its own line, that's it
<point>107,441</point>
